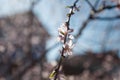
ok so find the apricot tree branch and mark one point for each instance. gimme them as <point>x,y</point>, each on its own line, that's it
<point>67,23</point>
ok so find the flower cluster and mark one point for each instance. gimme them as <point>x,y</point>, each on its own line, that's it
<point>66,38</point>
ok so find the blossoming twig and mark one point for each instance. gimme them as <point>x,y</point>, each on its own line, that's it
<point>66,38</point>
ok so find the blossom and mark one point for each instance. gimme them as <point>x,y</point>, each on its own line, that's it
<point>70,36</point>
<point>60,38</point>
<point>68,46</point>
<point>63,31</point>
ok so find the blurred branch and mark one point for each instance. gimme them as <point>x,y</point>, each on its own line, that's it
<point>105,18</point>
<point>32,62</point>
<point>34,3</point>
<point>21,71</point>
<point>91,16</point>
<point>93,8</point>
<point>107,7</point>
<point>96,3</point>
<point>85,22</point>
<point>82,28</point>
<point>52,47</point>
<point>101,8</point>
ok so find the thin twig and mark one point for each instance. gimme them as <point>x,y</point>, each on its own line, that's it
<point>91,16</point>
<point>96,3</point>
<point>85,22</point>
<point>93,8</point>
<point>82,28</point>
<point>107,7</point>
<point>62,53</point>
<point>105,18</point>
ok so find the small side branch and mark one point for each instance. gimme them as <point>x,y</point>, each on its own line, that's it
<point>91,5</point>
<point>92,16</point>
<point>106,18</point>
<point>107,7</point>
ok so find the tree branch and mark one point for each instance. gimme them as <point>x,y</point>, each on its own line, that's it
<point>91,16</point>
<point>82,28</point>
<point>91,5</point>
<point>63,49</point>
<point>96,3</point>
<point>106,7</point>
<point>105,18</point>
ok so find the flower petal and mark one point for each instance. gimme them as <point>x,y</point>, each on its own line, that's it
<point>70,43</point>
<point>71,36</point>
<point>70,30</point>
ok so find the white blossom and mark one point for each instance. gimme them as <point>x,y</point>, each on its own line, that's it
<point>60,38</point>
<point>68,46</point>
<point>63,29</point>
<point>64,33</point>
<point>70,36</point>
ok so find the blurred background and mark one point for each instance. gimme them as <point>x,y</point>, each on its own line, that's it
<point>29,49</point>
